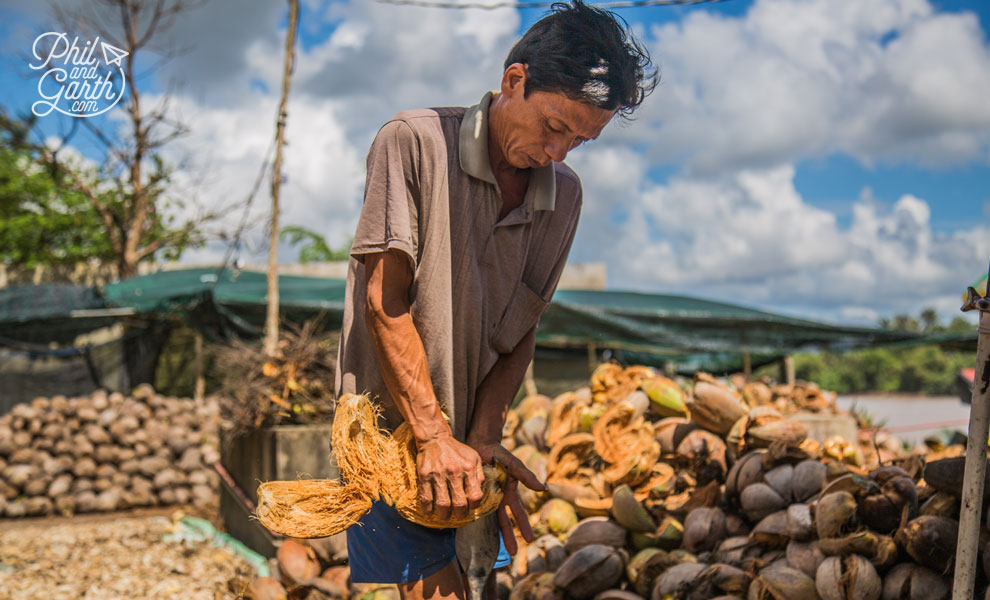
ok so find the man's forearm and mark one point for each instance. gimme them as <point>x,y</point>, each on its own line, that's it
<point>399,348</point>
<point>497,390</point>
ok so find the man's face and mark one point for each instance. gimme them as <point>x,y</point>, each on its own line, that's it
<point>545,126</point>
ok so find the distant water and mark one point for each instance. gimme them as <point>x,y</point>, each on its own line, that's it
<point>912,418</point>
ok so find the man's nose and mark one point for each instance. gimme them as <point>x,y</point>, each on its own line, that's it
<point>556,149</point>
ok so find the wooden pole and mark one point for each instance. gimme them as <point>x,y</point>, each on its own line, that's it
<point>592,358</point>
<point>968,543</point>
<point>271,318</point>
<point>747,364</point>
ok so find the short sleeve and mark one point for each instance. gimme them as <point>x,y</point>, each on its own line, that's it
<point>389,217</point>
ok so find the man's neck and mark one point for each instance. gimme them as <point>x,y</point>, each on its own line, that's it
<point>496,159</point>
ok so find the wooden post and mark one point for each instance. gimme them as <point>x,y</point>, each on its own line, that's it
<point>592,358</point>
<point>200,389</point>
<point>787,369</point>
<point>747,364</point>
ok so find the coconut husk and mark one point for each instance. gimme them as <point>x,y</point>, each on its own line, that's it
<point>704,528</point>
<point>805,557</point>
<point>590,570</point>
<point>782,583</point>
<point>670,431</point>
<point>595,530</point>
<point>565,416</point>
<point>536,586</point>
<point>833,513</point>
<point>627,443</point>
<point>771,531</point>
<point>908,581</point>
<point>677,580</point>
<point>744,472</point>
<point>808,480</point>
<point>714,406</point>
<point>760,500</point>
<point>570,454</point>
<point>629,512</point>
<point>849,578</point>
<point>705,453</point>
<point>374,465</point>
<point>931,541</point>
<point>666,397</point>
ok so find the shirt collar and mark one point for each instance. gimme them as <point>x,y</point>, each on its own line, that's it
<point>473,154</point>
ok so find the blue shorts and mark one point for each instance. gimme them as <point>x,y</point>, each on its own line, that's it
<point>385,548</point>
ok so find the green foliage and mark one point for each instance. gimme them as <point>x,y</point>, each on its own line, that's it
<point>42,220</point>
<point>316,248</point>
<point>922,369</point>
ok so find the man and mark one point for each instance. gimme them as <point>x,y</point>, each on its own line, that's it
<point>468,218</point>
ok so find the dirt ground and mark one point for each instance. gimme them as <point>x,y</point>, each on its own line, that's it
<point>112,556</point>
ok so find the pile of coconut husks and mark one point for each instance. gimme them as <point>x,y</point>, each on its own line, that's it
<point>711,491</point>
<point>661,490</point>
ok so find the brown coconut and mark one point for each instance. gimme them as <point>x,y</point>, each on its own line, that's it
<point>590,570</point>
<point>595,530</point>
<point>296,562</point>
<point>747,470</point>
<point>849,578</point>
<point>536,586</point>
<point>808,479</point>
<point>759,500</point>
<point>782,583</point>
<point>805,557</point>
<point>677,580</point>
<point>771,531</point>
<point>931,541</point>
<point>557,517</point>
<point>375,466</point>
<point>714,406</point>
<point>833,513</point>
<point>908,581</point>
<point>645,566</point>
<point>671,431</point>
<point>704,528</point>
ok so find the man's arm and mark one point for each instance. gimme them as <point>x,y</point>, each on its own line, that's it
<point>450,472</point>
<point>492,401</point>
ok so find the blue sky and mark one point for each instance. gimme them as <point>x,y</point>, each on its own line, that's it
<point>804,156</point>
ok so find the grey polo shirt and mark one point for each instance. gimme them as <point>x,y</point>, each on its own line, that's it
<point>479,283</point>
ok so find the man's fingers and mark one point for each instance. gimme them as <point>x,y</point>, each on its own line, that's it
<point>517,469</point>
<point>472,485</point>
<point>458,499</point>
<point>426,496</point>
<point>441,500</point>
<point>508,536</point>
<point>522,519</point>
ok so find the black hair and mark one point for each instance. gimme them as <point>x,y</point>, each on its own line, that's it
<point>587,54</point>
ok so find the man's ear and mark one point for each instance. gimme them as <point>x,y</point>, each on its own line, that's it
<point>514,79</point>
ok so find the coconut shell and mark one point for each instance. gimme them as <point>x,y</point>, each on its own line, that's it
<point>833,513</point>
<point>908,581</point>
<point>931,541</point>
<point>779,478</point>
<point>734,550</point>
<point>759,500</point>
<point>557,517</point>
<point>800,524</point>
<point>851,578</point>
<point>677,580</point>
<point>629,512</point>
<point>595,530</point>
<point>747,470</point>
<point>884,512</point>
<point>704,528</point>
<point>941,504</point>
<point>671,431</point>
<point>726,578</point>
<point>771,531</point>
<point>536,586</point>
<point>782,583</point>
<point>266,588</point>
<point>570,492</point>
<point>532,431</point>
<point>857,485</point>
<point>715,407</point>
<point>644,568</point>
<point>808,479</point>
<point>297,562</point>
<point>666,397</point>
<point>946,475</point>
<point>565,416</point>
<point>617,595</point>
<point>590,570</point>
<point>785,432</point>
<point>805,557</point>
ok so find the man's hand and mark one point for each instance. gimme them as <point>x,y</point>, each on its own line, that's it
<point>517,471</point>
<point>450,477</point>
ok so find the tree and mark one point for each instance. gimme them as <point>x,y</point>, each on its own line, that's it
<point>271,318</point>
<point>43,221</point>
<point>315,248</point>
<point>129,190</point>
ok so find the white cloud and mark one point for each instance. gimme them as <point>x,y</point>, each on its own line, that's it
<point>882,80</point>
<point>751,238</point>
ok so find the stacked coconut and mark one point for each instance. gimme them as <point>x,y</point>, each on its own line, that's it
<point>105,452</point>
<point>714,493</point>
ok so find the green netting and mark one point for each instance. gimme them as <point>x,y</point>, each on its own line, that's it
<point>690,333</point>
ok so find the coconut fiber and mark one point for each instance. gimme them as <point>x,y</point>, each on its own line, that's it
<point>374,465</point>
